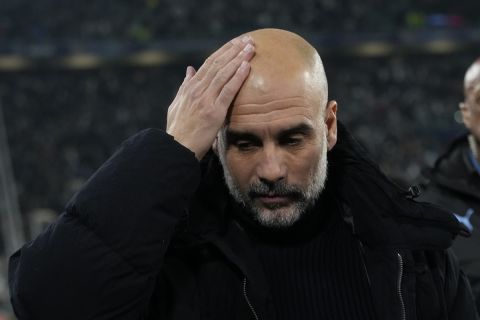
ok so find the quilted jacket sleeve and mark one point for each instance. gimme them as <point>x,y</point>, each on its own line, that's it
<point>100,258</point>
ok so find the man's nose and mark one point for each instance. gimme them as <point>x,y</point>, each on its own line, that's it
<point>271,167</point>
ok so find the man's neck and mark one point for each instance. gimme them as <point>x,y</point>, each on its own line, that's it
<point>313,221</point>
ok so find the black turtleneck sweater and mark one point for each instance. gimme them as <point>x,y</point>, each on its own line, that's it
<point>314,268</point>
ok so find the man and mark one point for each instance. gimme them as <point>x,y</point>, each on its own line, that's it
<point>454,182</point>
<point>258,232</point>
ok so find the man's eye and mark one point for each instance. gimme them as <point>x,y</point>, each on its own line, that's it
<point>245,145</point>
<point>292,141</point>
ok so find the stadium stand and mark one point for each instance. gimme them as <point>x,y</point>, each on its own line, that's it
<point>50,20</point>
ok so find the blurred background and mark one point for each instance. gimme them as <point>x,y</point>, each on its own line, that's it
<point>77,78</point>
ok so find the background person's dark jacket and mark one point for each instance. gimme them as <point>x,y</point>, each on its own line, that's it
<point>124,248</point>
<point>455,184</point>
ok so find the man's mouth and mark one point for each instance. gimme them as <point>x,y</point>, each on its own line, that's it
<point>274,200</point>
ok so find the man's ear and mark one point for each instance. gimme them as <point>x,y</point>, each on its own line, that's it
<point>331,124</point>
<point>465,114</point>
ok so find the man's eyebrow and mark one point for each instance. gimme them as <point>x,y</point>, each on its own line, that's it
<point>232,136</point>
<point>303,128</point>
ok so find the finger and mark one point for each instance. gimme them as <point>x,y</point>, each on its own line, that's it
<point>228,71</point>
<point>210,60</point>
<point>190,73</point>
<point>226,58</point>
<point>230,90</point>
<point>222,56</point>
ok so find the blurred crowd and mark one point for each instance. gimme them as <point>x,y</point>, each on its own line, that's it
<point>404,109</point>
<point>63,124</point>
<point>141,21</point>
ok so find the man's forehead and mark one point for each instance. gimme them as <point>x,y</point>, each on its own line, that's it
<point>264,99</point>
<point>294,125</point>
<point>275,83</point>
<point>287,109</point>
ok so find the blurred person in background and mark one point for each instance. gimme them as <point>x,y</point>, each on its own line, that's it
<point>454,181</point>
<point>251,228</point>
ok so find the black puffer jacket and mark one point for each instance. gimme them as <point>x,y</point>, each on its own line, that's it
<point>455,184</point>
<point>142,240</point>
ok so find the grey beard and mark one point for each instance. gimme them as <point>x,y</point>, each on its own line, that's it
<point>278,217</point>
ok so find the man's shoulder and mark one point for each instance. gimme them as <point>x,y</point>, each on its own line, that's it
<point>452,182</point>
<point>454,163</point>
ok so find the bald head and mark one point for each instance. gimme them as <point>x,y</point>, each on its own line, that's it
<point>472,77</point>
<point>283,60</point>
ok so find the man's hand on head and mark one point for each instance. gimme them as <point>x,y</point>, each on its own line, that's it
<point>200,107</point>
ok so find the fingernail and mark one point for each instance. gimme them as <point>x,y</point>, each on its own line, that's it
<point>246,39</point>
<point>248,48</point>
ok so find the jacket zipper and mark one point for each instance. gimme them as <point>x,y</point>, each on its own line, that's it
<point>248,300</point>
<point>399,286</point>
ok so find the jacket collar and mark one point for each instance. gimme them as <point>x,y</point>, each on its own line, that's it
<point>383,213</point>
<point>454,170</point>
